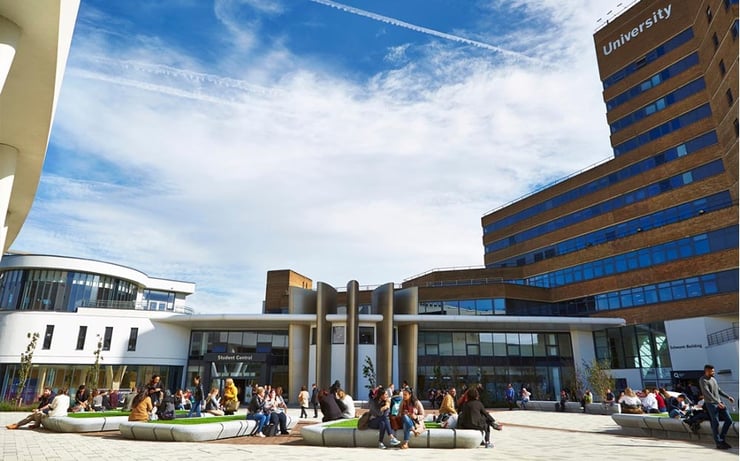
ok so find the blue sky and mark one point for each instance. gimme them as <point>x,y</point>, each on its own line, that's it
<point>214,141</point>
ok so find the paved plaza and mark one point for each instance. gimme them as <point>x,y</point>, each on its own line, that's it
<point>527,435</point>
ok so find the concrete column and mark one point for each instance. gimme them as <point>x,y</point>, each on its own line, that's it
<point>8,159</point>
<point>298,347</point>
<point>351,338</point>
<point>9,33</point>
<point>326,303</point>
<point>382,302</point>
<point>406,302</point>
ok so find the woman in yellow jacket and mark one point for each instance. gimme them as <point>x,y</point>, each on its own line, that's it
<point>230,401</point>
<point>141,408</point>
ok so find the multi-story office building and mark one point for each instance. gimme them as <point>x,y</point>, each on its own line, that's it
<point>634,261</point>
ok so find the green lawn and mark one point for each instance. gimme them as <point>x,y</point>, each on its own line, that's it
<point>108,414</point>
<point>201,420</point>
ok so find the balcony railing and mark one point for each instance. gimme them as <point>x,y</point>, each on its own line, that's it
<point>723,336</point>
<point>134,305</point>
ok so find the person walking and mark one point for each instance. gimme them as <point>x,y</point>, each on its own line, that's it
<point>315,400</point>
<point>303,399</point>
<point>195,408</point>
<point>510,396</point>
<point>714,406</point>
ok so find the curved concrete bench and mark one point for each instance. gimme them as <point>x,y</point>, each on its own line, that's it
<point>67,424</point>
<point>137,430</point>
<point>668,428</point>
<point>321,435</point>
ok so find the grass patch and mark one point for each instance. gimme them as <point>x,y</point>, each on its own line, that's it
<point>201,420</point>
<point>352,424</point>
<point>110,413</point>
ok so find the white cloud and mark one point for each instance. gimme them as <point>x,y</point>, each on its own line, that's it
<point>296,168</point>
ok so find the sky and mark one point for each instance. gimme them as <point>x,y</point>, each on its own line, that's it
<point>211,142</point>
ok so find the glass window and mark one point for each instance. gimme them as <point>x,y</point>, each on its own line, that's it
<point>367,335</point>
<point>512,344</point>
<point>445,343</point>
<point>486,344</point>
<point>499,344</point>
<point>48,337</point>
<point>107,338</point>
<point>337,335</point>
<point>81,334</point>
<point>132,338</point>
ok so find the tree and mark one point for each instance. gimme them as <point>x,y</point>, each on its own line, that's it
<point>597,374</point>
<point>24,372</point>
<point>93,372</point>
<point>368,372</point>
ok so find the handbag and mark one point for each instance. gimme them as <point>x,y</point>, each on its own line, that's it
<point>396,422</point>
<point>231,405</point>
<point>364,421</point>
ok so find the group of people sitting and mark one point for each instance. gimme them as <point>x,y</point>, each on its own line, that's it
<point>390,410</point>
<point>268,409</point>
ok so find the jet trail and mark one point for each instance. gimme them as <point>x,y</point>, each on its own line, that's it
<point>425,30</point>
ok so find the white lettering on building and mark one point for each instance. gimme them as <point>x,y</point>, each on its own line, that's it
<point>658,15</point>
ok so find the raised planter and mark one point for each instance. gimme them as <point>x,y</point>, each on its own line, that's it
<point>573,407</point>
<point>136,430</point>
<point>668,428</point>
<point>67,424</point>
<point>321,435</point>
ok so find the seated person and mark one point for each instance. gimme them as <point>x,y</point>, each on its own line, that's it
<point>128,400</point>
<point>256,411</point>
<point>677,406</point>
<point>141,407</point>
<point>97,400</point>
<point>81,399</point>
<point>649,401</point>
<point>630,402</point>
<point>525,394</point>
<point>609,397</point>
<point>563,399</point>
<point>213,406</point>
<point>179,400</point>
<point>349,403</point>
<point>473,415</point>
<point>329,407</point>
<point>47,396</point>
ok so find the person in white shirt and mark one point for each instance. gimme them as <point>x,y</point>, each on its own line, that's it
<point>349,411</point>
<point>649,402</point>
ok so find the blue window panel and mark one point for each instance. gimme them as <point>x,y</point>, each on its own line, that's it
<point>651,295</point>
<point>693,287</point>
<point>484,306</point>
<point>664,292</point>
<point>625,297</point>
<point>678,290</point>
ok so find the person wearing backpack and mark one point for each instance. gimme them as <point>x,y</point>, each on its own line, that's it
<point>166,409</point>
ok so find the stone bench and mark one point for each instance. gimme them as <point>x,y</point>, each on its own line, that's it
<point>668,428</point>
<point>321,435</point>
<point>69,424</point>
<point>137,430</point>
<point>572,407</point>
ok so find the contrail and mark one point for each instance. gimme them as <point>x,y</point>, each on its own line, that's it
<point>424,30</point>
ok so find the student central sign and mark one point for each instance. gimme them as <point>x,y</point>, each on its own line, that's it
<point>223,357</point>
<point>658,15</point>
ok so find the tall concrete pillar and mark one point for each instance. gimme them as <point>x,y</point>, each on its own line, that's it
<point>351,338</point>
<point>406,302</point>
<point>9,34</point>
<point>382,302</point>
<point>326,303</point>
<point>8,160</point>
<point>300,301</point>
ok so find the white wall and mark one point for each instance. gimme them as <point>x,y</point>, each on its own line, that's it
<point>583,347</point>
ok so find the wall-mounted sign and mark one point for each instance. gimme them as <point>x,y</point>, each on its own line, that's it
<point>235,357</point>
<point>658,15</point>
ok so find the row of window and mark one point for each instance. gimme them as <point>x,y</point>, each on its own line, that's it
<point>687,247</point>
<point>651,56</point>
<point>655,220</point>
<point>691,146</point>
<point>105,341</point>
<point>207,342</point>
<point>674,290</point>
<point>680,94</point>
<point>666,128</point>
<point>490,344</point>
<point>654,80</point>
<point>660,187</point>
<point>487,306</point>
<point>40,289</point>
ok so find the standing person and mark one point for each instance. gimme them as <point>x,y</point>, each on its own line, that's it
<point>230,400</point>
<point>714,406</point>
<point>303,399</point>
<point>315,400</point>
<point>195,408</point>
<point>510,396</point>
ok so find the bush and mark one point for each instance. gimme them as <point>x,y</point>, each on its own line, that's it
<point>12,405</point>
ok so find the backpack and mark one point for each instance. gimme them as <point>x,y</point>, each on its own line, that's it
<point>270,430</point>
<point>167,409</point>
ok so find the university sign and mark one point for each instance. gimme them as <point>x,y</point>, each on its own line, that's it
<point>658,15</point>
<point>224,357</point>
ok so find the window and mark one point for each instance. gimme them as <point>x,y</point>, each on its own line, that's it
<point>367,335</point>
<point>132,337</point>
<point>709,15</point>
<point>736,128</point>
<point>715,40</point>
<point>47,337</point>
<point>337,335</point>
<point>734,30</point>
<point>107,338</point>
<point>730,98</point>
<point>722,69</point>
<point>81,334</point>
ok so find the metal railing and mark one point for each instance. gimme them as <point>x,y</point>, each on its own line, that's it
<point>723,336</point>
<point>133,305</point>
